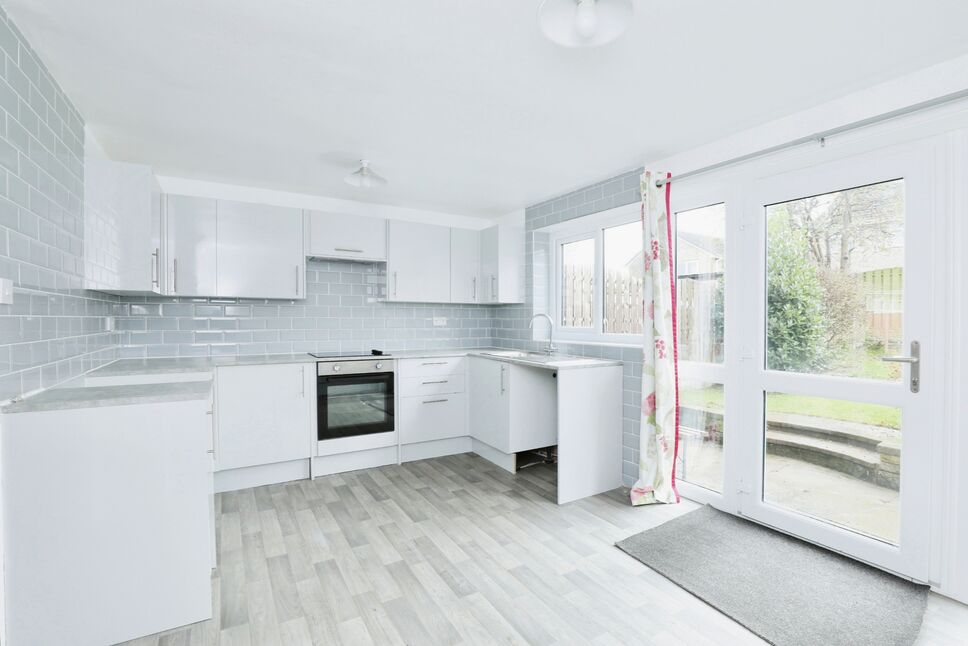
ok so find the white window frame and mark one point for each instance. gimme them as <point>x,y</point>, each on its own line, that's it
<point>583,228</point>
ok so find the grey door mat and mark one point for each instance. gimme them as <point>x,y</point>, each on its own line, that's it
<point>787,591</point>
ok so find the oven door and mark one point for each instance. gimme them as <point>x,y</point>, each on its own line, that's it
<point>350,405</point>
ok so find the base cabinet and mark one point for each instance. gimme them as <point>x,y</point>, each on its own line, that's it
<point>264,414</point>
<point>512,407</point>
<point>433,417</point>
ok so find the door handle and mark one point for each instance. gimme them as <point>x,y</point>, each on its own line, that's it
<point>396,283</point>
<point>154,267</point>
<point>174,276</point>
<point>347,250</point>
<point>493,287</point>
<point>435,401</point>
<point>503,387</point>
<point>474,288</point>
<point>427,383</point>
<point>914,361</point>
<point>297,280</point>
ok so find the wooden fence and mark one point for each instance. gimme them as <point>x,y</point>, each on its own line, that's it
<point>622,305</point>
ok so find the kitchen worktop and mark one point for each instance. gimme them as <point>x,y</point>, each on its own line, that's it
<point>98,396</point>
<point>125,367</point>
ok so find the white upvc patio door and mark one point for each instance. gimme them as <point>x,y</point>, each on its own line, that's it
<point>831,273</point>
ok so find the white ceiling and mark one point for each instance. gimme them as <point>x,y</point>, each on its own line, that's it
<point>460,103</point>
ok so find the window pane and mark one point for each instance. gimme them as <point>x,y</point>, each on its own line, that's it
<point>835,460</point>
<point>622,248</point>
<point>835,266</point>
<point>700,268</point>
<point>577,283</point>
<point>701,434</point>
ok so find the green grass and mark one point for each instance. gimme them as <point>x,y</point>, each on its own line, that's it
<point>865,364</point>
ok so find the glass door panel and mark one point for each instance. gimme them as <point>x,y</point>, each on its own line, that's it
<point>832,253</point>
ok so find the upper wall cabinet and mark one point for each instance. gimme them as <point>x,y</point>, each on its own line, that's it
<point>190,224</point>
<point>465,266</point>
<point>331,235</point>
<point>418,262</point>
<point>122,228</point>
<point>233,249</point>
<point>259,251</point>
<point>502,263</point>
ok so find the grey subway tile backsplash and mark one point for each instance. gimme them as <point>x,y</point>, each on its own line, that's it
<point>55,329</point>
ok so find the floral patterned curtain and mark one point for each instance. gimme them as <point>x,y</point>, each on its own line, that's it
<point>659,430</point>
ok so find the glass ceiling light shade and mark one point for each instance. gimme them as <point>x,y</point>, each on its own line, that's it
<point>584,23</point>
<point>365,177</point>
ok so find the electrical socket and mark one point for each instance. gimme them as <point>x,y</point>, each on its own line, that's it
<point>440,321</point>
<point>6,291</point>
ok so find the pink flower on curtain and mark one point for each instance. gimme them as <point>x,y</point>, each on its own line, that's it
<point>652,311</point>
<point>655,250</point>
<point>648,405</point>
<point>660,348</point>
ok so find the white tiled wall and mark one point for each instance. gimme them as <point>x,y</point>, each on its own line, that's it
<point>54,330</point>
<point>344,311</point>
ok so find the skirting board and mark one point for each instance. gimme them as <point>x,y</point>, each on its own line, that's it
<point>235,479</point>
<point>508,462</point>
<point>325,465</point>
<point>435,448</point>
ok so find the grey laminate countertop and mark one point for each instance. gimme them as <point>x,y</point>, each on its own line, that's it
<point>126,367</point>
<point>99,396</point>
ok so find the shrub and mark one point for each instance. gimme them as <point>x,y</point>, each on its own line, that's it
<point>795,301</point>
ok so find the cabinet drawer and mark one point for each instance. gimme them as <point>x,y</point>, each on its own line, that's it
<point>431,367</point>
<point>436,417</point>
<point>433,385</point>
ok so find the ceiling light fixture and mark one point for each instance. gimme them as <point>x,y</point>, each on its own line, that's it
<point>365,177</point>
<point>584,23</point>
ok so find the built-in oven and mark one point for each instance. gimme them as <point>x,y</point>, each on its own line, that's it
<point>354,397</point>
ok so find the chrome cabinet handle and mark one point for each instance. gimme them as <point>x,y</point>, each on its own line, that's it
<point>302,374</point>
<point>914,361</point>
<point>154,267</point>
<point>503,387</point>
<point>347,250</point>
<point>474,288</point>
<point>493,287</point>
<point>396,283</point>
<point>297,280</point>
<point>434,401</point>
<point>427,383</point>
<point>434,363</point>
<point>174,276</point>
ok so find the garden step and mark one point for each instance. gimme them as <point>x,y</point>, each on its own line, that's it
<point>865,436</point>
<point>855,461</point>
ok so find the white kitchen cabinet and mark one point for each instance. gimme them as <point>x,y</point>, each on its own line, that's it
<point>190,227</point>
<point>332,235</point>
<point>106,522</point>
<point>465,265</point>
<point>259,251</point>
<point>502,263</point>
<point>122,228</point>
<point>432,417</point>
<point>265,414</point>
<point>512,407</point>
<point>418,262</point>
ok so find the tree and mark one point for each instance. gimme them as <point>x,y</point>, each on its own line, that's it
<point>795,300</point>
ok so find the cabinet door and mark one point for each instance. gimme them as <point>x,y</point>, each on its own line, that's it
<point>265,414</point>
<point>489,265</point>
<point>190,233</point>
<point>489,411</point>
<point>418,262</point>
<point>432,417</point>
<point>260,251</point>
<point>465,265</point>
<point>332,235</point>
<point>534,408</point>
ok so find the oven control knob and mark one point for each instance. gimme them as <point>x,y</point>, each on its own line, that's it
<point>379,365</point>
<point>336,368</point>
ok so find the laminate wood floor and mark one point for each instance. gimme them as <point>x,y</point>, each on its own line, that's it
<point>453,551</point>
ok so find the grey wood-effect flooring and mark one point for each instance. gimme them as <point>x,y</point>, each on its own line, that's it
<point>453,551</point>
